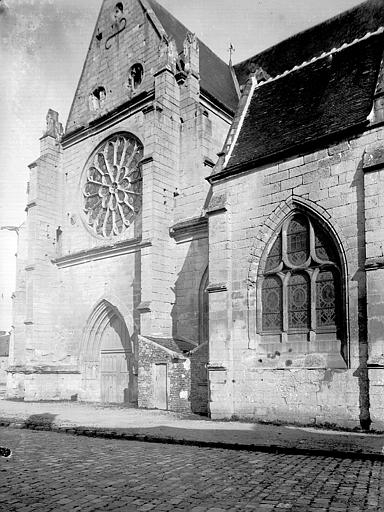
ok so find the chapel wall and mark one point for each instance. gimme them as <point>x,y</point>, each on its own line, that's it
<point>332,181</point>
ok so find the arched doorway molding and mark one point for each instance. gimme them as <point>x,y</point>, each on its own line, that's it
<point>104,307</point>
<point>108,312</point>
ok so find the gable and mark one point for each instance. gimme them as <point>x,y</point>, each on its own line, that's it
<point>117,44</point>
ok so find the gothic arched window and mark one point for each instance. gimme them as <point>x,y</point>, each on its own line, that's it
<point>301,281</point>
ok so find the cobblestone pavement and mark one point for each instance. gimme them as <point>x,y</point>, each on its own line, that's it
<point>58,472</point>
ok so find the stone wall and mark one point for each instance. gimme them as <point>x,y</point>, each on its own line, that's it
<point>108,63</point>
<point>199,379</point>
<point>191,263</point>
<point>328,184</point>
<point>178,376</point>
<point>150,278</point>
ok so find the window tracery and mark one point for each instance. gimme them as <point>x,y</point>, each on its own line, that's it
<point>112,185</point>
<point>300,290</point>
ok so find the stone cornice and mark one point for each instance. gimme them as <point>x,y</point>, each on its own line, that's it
<point>100,253</point>
<point>216,367</point>
<point>127,109</point>
<point>374,263</point>
<point>46,369</point>
<point>374,159</point>
<point>196,228</point>
<point>217,287</point>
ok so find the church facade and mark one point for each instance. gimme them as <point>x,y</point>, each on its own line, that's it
<point>153,272</point>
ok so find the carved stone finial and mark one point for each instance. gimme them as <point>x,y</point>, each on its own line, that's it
<point>191,53</point>
<point>167,53</point>
<point>259,73</point>
<point>54,127</point>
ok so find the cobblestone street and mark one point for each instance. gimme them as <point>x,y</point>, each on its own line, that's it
<point>57,472</point>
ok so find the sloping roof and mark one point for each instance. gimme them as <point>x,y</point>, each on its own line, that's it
<point>173,344</point>
<point>344,28</point>
<point>215,74</point>
<point>322,99</point>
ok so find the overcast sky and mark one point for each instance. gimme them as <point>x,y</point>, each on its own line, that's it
<point>44,44</point>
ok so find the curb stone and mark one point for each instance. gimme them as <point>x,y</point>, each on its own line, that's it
<point>254,447</point>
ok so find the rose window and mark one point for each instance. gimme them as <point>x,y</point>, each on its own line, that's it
<point>112,185</point>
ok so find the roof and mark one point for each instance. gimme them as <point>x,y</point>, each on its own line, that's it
<point>215,75</point>
<point>344,28</point>
<point>307,90</point>
<point>331,95</point>
<point>173,344</point>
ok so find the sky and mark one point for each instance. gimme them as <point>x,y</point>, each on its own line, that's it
<point>43,47</point>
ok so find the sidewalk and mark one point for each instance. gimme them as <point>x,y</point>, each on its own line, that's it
<point>168,427</point>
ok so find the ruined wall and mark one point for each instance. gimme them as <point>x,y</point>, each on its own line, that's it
<point>245,212</point>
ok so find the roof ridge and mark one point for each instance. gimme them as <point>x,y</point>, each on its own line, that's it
<point>306,30</point>
<point>380,30</point>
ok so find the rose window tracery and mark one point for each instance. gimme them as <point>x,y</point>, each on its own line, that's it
<point>112,185</point>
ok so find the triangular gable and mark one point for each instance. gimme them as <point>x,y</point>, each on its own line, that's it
<point>116,45</point>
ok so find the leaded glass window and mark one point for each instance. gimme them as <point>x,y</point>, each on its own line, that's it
<point>272,303</point>
<point>325,299</point>
<point>297,240</point>
<point>274,256</point>
<point>111,188</point>
<point>299,303</point>
<point>300,290</point>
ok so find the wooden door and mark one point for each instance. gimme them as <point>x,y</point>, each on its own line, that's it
<point>116,376</point>
<point>160,385</point>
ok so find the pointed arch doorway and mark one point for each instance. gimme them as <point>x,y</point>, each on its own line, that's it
<point>109,358</point>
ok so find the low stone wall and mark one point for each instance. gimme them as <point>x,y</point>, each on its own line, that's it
<point>303,396</point>
<point>43,386</point>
